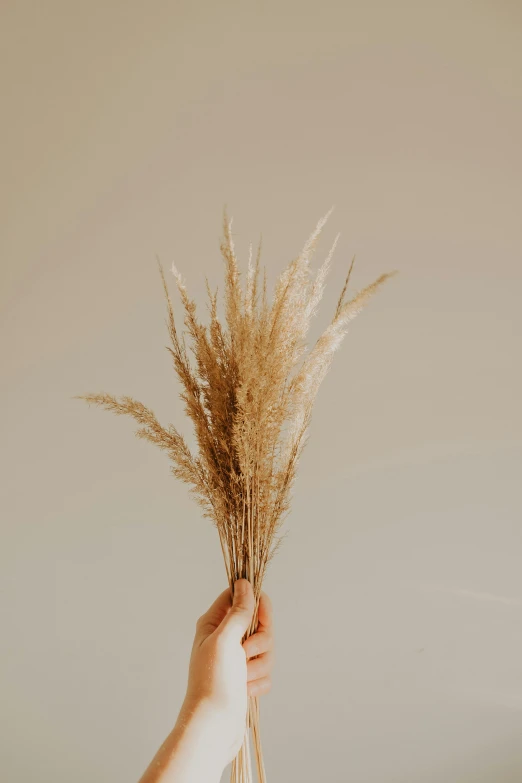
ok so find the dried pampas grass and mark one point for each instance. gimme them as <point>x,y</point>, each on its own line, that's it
<point>249,389</point>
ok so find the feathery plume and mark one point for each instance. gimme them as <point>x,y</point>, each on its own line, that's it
<point>249,388</point>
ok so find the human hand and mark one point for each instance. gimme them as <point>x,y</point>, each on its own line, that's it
<point>223,670</point>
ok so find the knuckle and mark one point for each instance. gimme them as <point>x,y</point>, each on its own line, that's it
<point>252,649</point>
<point>265,642</point>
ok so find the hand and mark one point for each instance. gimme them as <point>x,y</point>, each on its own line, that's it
<point>223,671</point>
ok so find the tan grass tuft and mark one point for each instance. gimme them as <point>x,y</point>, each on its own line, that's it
<point>249,387</point>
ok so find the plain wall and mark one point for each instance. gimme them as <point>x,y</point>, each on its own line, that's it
<point>398,591</point>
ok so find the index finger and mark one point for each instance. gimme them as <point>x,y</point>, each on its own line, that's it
<point>264,613</point>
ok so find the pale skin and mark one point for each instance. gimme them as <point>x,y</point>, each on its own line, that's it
<point>223,672</point>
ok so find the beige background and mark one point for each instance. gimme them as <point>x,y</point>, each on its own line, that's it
<point>398,592</point>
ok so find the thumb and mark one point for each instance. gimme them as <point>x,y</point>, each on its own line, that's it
<point>240,613</point>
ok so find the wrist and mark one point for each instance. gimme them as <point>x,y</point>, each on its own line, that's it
<point>192,752</point>
<point>201,725</point>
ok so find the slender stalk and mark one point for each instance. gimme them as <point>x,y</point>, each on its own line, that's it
<point>248,388</point>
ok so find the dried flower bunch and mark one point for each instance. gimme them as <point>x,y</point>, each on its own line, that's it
<point>248,388</point>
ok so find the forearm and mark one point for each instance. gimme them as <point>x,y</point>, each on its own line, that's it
<point>191,753</point>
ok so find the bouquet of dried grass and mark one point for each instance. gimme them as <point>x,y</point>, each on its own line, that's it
<point>249,391</point>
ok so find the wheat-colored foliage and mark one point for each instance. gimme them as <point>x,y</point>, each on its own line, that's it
<point>248,385</point>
